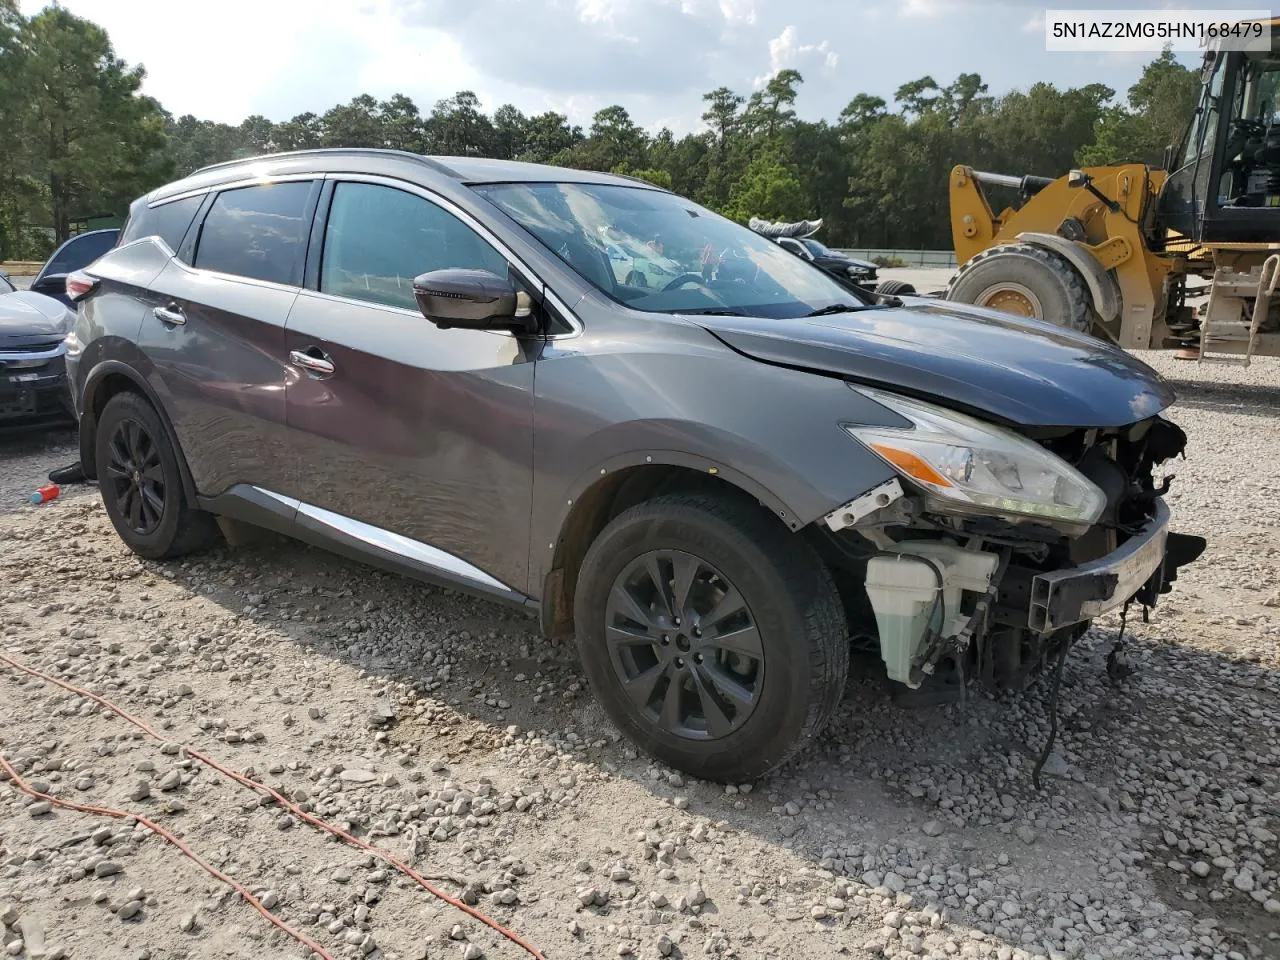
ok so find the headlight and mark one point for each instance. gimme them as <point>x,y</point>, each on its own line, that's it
<point>967,461</point>
<point>858,271</point>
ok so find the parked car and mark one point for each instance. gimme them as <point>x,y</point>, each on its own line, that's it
<point>862,272</point>
<point>428,363</point>
<point>33,382</point>
<point>74,254</point>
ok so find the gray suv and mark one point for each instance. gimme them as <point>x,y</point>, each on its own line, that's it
<point>720,485</point>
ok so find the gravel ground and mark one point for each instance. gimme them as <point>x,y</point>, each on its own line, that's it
<point>446,731</point>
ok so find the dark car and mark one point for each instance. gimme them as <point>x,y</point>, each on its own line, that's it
<point>75,254</point>
<point>33,380</point>
<point>715,484</point>
<point>33,324</point>
<point>842,265</point>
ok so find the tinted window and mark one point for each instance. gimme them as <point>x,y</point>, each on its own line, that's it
<point>257,232</point>
<point>78,252</point>
<point>379,238</point>
<point>169,221</point>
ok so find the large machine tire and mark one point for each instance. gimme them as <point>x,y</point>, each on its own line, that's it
<point>1025,280</point>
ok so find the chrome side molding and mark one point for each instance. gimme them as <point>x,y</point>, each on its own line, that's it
<point>394,543</point>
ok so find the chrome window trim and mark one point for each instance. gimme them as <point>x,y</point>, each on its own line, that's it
<point>307,292</point>
<point>236,185</point>
<point>526,273</point>
<point>401,546</point>
<point>233,277</point>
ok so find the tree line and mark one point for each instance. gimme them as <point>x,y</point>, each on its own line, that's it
<point>78,138</point>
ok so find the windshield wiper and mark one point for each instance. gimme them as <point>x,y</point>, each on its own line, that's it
<point>835,308</point>
<point>710,312</point>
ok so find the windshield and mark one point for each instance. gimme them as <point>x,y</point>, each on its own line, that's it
<point>817,249</point>
<point>713,265</point>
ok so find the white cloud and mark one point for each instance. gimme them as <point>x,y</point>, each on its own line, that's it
<point>738,11</point>
<point>786,51</point>
<point>226,59</point>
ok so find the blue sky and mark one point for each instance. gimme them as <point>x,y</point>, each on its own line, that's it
<point>227,59</point>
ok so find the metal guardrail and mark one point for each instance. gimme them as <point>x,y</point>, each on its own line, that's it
<point>911,258</point>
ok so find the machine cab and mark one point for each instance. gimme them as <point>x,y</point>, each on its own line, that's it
<point>1224,182</point>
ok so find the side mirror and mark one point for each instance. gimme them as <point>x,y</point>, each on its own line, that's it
<point>471,300</point>
<point>1169,157</point>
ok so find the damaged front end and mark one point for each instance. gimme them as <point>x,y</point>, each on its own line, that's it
<point>993,549</point>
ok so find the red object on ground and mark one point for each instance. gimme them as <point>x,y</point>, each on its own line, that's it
<point>289,805</point>
<point>45,493</point>
<point>155,828</point>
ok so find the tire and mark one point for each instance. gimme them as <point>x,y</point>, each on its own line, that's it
<point>1018,273</point>
<point>131,435</point>
<point>785,591</point>
<point>894,288</point>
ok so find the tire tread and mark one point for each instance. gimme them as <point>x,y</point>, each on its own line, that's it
<point>1079,301</point>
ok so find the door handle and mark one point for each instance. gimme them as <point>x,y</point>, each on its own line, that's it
<point>171,315</point>
<point>312,360</point>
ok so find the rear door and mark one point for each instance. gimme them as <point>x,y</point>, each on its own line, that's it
<point>408,438</point>
<point>213,331</point>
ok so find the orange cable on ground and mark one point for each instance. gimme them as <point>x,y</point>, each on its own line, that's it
<point>293,808</point>
<point>154,827</point>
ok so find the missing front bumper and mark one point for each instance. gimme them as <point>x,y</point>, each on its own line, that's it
<point>1062,598</point>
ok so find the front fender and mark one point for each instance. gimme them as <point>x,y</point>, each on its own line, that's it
<point>773,432</point>
<point>1103,289</point>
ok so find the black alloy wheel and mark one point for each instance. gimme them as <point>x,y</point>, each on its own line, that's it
<point>135,476</point>
<point>712,636</point>
<point>684,645</point>
<point>140,478</point>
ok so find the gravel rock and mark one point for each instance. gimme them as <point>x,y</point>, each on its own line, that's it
<point>904,833</point>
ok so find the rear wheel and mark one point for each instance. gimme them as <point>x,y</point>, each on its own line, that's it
<point>141,483</point>
<point>1027,281</point>
<point>713,637</point>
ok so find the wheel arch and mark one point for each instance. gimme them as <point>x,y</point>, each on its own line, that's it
<point>612,487</point>
<point>104,381</point>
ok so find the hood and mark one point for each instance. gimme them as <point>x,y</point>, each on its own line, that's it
<point>1022,372</point>
<point>33,315</point>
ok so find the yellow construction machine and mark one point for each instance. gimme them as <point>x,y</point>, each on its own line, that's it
<point>1125,251</point>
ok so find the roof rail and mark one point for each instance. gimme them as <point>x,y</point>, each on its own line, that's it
<point>322,151</point>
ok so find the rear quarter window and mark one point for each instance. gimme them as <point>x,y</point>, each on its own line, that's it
<point>259,232</point>
<point>168,221</point>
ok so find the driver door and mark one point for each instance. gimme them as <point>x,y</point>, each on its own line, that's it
<point>402,436</point>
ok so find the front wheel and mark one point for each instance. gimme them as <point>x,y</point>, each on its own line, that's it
<point>1027,281</point>
<point>712,636</point>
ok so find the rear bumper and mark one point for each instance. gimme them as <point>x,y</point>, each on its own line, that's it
<point>1062,598</point>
